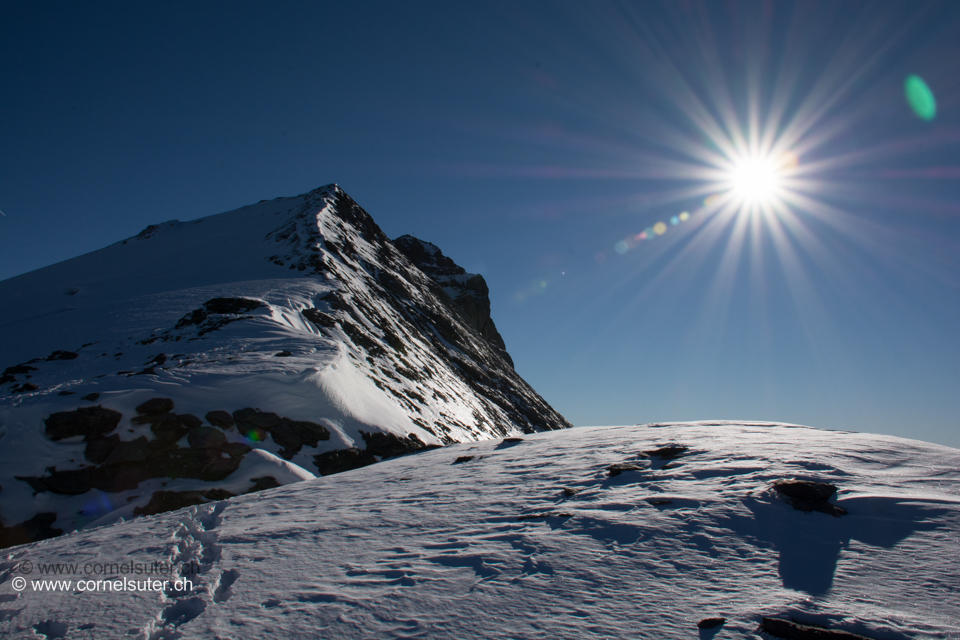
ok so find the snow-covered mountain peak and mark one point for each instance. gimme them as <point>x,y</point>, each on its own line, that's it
<point>291,326</point>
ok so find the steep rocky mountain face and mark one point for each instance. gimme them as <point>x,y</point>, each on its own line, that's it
<point>202,360</point>
<point>468,291</point>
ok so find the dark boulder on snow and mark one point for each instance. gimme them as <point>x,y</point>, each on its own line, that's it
<point>789,630</point>
<point>292,435</point>
<point>190,421</point>
<point>342,460</point>
<point>542,515</point>
<point>162,501</point>
<point>236,449</point>
<point>388,445</point>
<point>669,452</point>
<point>39,527</point>
<point>266,482</point>
<point>156,406</point>
<point>206,438</point>
<point>710,623</point>
<point>166,426</point>
<point>216,314</point>
<point>806,495</point>
<point>90,422</point>
<point>90,397</point>
<point>231,305</point>
<point>134,451</point>
<point>99,448</point>
<point>62,355</point>
<point>463,459</point>
<point>617,469</point>
<point>221,419</point>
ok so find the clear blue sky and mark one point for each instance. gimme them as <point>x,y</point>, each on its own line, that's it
<point>536,142</point>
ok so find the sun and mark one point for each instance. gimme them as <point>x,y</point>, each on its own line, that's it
<point>756,179</point>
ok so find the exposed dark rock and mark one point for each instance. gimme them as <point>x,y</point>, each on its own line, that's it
<point>617,469</point>
<point>36,528</point>
<point>710,623</point>
<point>90,397</point>
<point>283,354</point>
<point>250,418</point>
<point>206,438</point>
<point>669,452</point>
<point>292,435</point>
<point>99,448</point>
<point>468,292</point>
<point>66,393</point>
<point>217,306</point>
<point>393,284</point>
<point>91,422</point>
<point>25,387</point>
<point>387,445</point>
<point>62,355</point>
<point>231,305</point>
<point>463,459</point>
<point>156,406</point>
<point>163,447</point>
<point>511,441</point>
<point>201,464</point>
<point>545,514</point>
<point>236,449</point>
<point>162,501</point>
<point>221,419</point>
<point>157,360</point>
<point>789,630</point>
<point>570,492</point>
<point>266,482</point>
<point>72,482</point>
<point>806,495</point>
<point>342,460</point>
<point>133,451</point>
<point>18,369</point>
<point>165,426</point>
<point>189,420</point>
<point>659,502</point>
<point>149,371</point>
<point>319,318</point>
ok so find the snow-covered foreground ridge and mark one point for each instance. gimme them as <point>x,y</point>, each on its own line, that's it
<point>536,538</point>
<point>200,360</point>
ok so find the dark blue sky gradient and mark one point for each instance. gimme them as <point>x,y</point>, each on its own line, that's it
<point>527,139</point>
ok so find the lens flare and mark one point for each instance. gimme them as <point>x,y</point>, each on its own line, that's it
<point>920,98</point>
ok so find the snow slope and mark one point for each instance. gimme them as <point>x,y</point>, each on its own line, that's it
<point>295,320</point>
<point>426,546</point>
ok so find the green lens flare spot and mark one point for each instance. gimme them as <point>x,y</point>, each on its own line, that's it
<point>920,98</point>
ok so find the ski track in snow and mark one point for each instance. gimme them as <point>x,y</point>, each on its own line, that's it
<point>420,547</point>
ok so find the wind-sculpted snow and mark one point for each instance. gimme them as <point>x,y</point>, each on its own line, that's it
<point>537,538</point>
<point>293,327</point>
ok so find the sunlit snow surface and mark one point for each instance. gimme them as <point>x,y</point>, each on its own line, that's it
<point>420,547</point>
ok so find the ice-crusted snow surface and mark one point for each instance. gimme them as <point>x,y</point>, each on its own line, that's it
<point>325,321</point>
<point>424,546</point>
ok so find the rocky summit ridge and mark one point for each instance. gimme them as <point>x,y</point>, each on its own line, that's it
<point>200,360</point>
